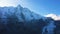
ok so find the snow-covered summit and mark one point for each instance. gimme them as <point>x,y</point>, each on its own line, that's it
<point>53,16</point>
<point>21,13</point>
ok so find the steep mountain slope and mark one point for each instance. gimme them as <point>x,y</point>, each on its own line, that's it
<point>23,14</point>
<point>23,21</point>
<point>20,20</point>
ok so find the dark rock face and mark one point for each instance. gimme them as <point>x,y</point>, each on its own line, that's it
<point>15,27</point>
<point>57,30</point>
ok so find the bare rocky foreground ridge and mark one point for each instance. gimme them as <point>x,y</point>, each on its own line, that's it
<point>19,20</point>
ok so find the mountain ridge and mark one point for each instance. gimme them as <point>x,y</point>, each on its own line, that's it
<point>21,13</point>
<point>22,20</point>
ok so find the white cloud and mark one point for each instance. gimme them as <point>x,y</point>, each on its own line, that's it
<point>10,2</point>
<point>53,16</point>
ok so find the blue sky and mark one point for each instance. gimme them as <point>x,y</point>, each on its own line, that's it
<point>42,7</point>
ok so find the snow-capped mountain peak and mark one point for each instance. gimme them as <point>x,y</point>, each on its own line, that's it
<point>23,14</point>
<point>53,16</point>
